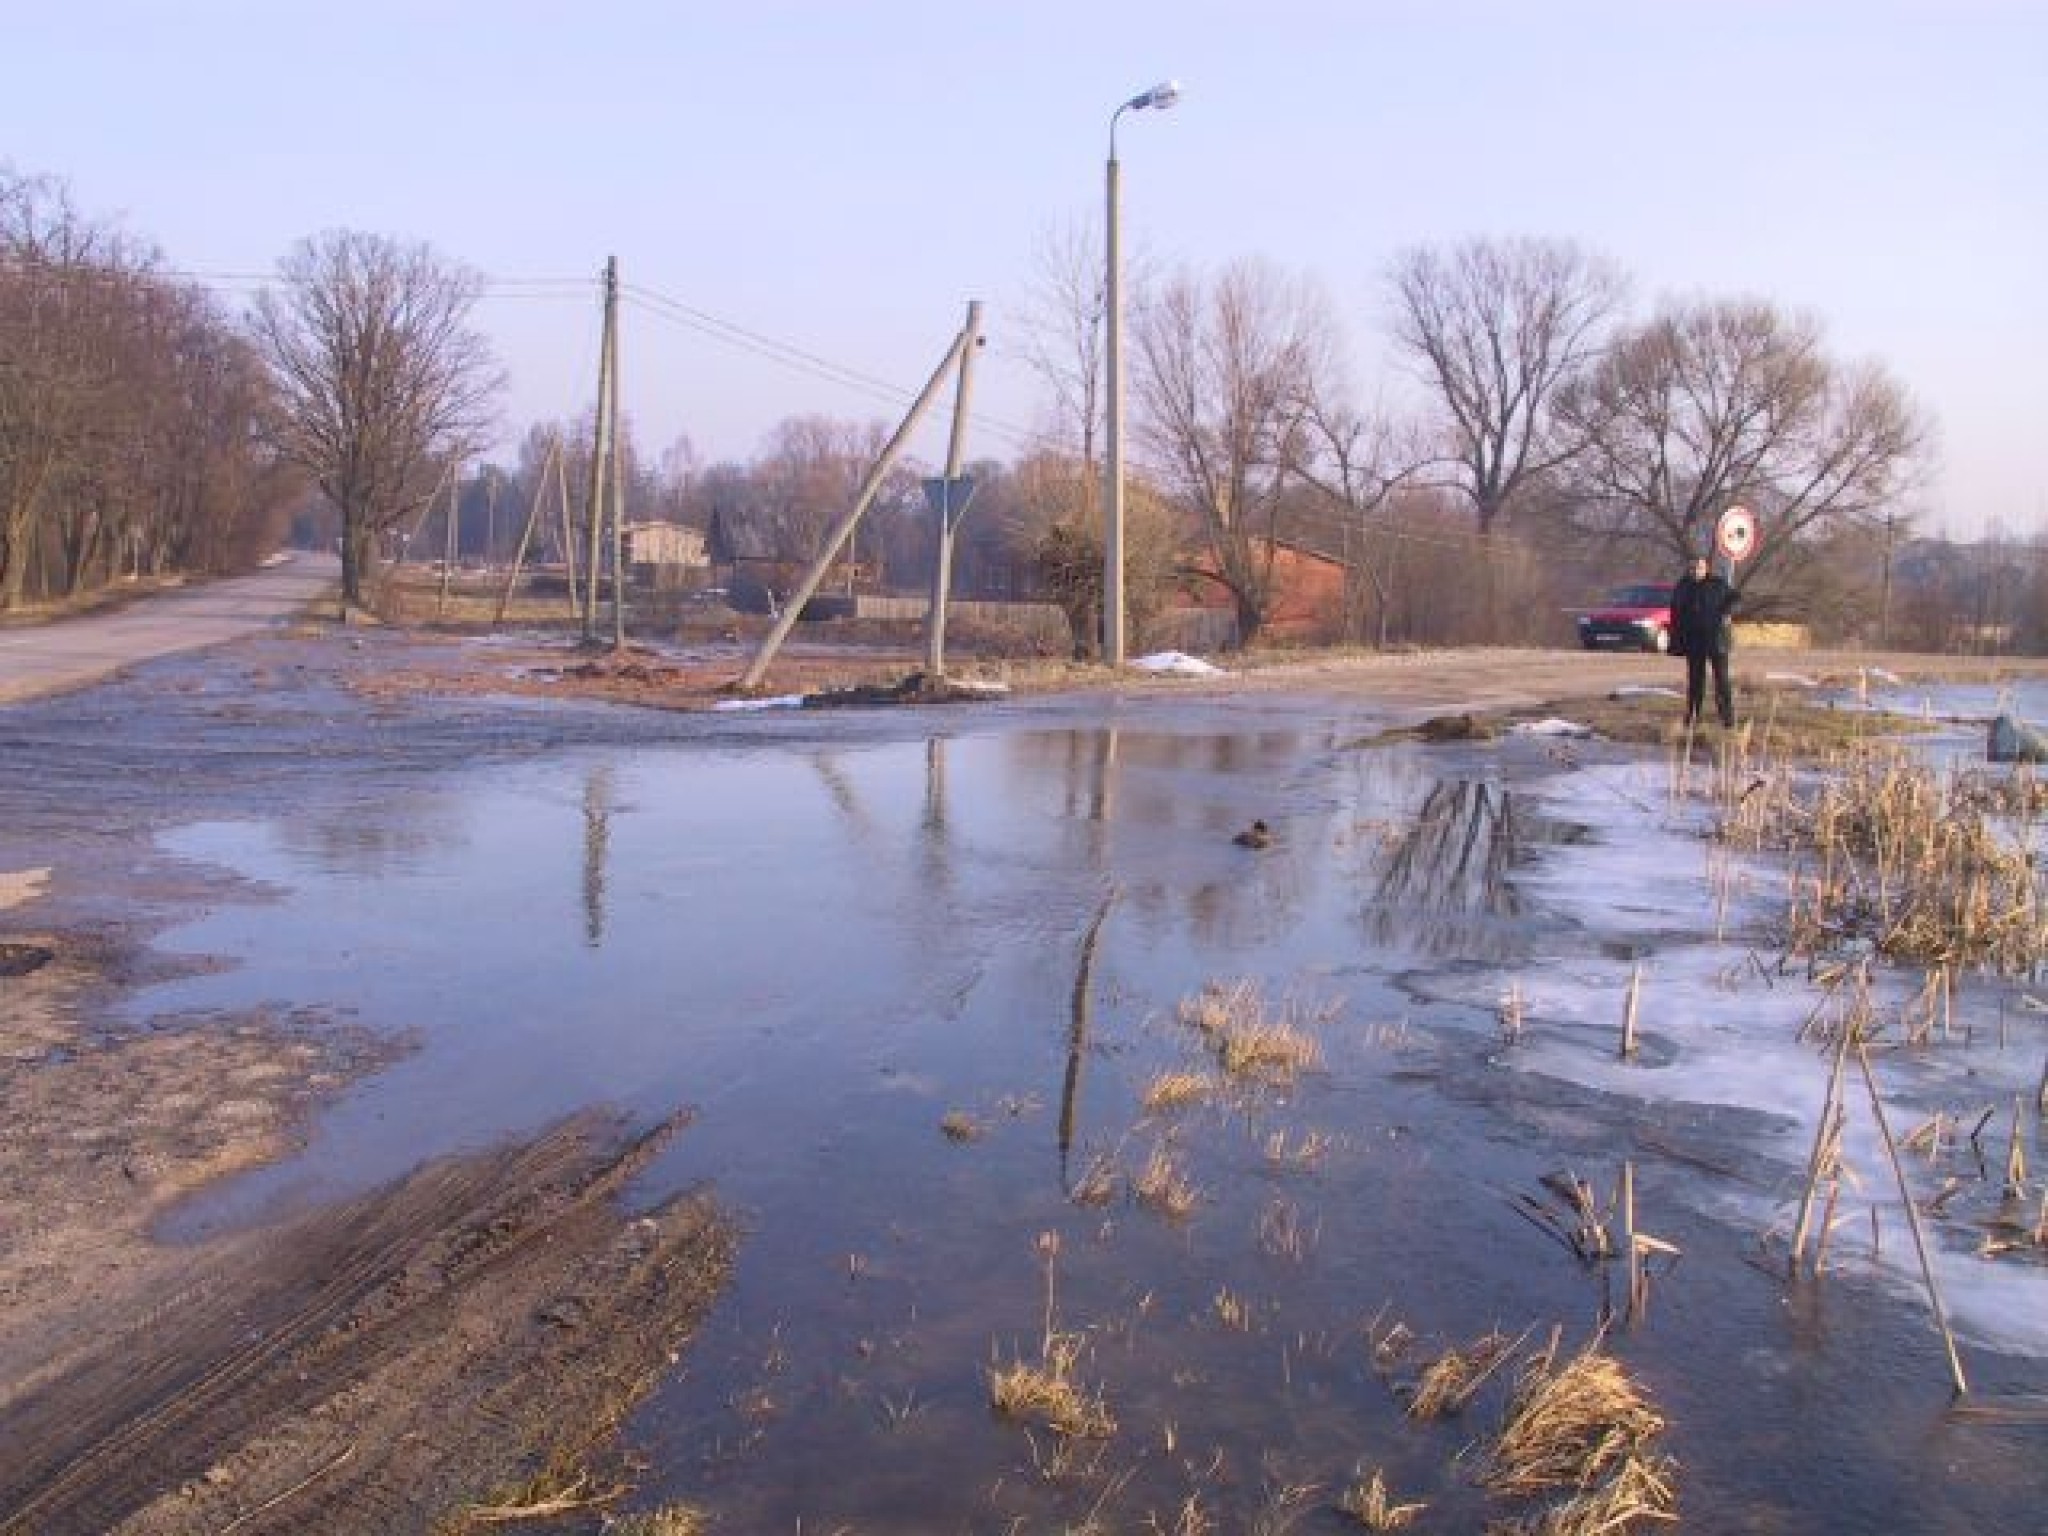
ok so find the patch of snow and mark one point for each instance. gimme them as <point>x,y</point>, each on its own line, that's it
<point>1644,691</point>
<point>1790,680</point>
<point>1175,664</point>
<point>779,701</point>
<point>21,886</point>
<point>1551,727</point>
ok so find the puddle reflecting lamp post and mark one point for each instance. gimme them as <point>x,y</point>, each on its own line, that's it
<point>1162,96</point>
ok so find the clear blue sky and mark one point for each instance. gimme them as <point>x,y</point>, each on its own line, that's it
<point>843,177</point>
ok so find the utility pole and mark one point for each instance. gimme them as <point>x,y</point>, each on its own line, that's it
<point>836,540</point>
<point>600,449</point>
<point>451,542</point>
<point>617,471</point>
<point>950,504</point>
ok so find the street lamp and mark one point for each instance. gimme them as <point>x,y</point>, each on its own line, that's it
<point>1162,96</point>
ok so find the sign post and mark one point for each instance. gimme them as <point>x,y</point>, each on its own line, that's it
<point>1735,536</point>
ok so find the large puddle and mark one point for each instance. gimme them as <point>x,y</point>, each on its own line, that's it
<point>837,950</point>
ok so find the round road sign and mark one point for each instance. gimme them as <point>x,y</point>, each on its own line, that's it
<point>1735,534</point>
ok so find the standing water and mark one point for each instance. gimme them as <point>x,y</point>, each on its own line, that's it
<point>924,992</point>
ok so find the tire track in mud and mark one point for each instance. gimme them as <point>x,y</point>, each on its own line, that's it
<point>381,1360</point>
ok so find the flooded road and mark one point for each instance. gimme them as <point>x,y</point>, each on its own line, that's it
<point>919,975</point>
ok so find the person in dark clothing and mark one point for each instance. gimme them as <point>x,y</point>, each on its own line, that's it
<point>1701,607</point>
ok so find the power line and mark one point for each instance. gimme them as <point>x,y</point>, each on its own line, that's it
<point>798,359</point>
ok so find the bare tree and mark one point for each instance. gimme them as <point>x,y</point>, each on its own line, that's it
<point>1354,462</point>
<point>381,379</point>
<point>809,475</point>
<point>1064,335</point>
<point>1497,326</point>
<point>1223,370</point>
<point>58,274</point>
<point>1716,403</point>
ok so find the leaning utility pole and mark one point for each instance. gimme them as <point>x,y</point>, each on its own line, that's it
<point>600,448</point>
<point>548,466</point>
<point>949,498</point>
<point>836,539</point>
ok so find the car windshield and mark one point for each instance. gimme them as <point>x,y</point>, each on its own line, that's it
<point>1639,597</point>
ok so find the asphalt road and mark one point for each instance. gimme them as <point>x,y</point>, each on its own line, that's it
<point>70,653</point>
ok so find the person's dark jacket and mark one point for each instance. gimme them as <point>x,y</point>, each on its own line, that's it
<point>1700,611</point>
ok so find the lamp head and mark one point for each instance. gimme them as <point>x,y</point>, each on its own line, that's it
<point>1162,96</point>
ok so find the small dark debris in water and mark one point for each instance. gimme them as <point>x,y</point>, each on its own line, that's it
<point>1464,727</point>
<point>917,688</point>
<point>1257,835</point>
<point>23,959</point>
<point>2012,741</point>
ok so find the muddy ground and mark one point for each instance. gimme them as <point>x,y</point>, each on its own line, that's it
<point>465,1342</point>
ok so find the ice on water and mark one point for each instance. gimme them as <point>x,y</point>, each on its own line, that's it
<point>1720,1021</point>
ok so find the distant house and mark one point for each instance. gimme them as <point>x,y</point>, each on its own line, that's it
<point>1312,558</point>
<point>664,547</point>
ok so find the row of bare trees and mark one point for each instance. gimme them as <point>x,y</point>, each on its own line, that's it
<point>141,429</point>
<point>1544,410</point>
<point>128,412</point>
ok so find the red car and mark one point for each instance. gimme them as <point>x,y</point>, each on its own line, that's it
<point>1634,618</point>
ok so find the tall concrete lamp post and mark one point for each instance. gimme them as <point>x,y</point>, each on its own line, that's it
<point>1162,96</point>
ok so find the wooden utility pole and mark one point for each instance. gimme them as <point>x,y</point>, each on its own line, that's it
<point>450,542</point>
<point>950,504</point>
<point>618,473</point>
<point>601,448</point>
<point>836,539</point>
<point>568,531</point>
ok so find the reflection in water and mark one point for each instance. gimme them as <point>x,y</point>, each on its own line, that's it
<point>1077,1040</point>
<point>840,786</point>
<point>1444,885</point>
<point>935,788</point>
<point>392,837</point>
<point>597,817</point>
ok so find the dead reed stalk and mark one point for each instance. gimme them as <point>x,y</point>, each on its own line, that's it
<point>1628,1011</point>
<point>1948,1337</point>
<point>1906,857</point>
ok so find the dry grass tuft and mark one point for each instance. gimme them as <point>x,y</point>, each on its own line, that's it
<point>1249,1040</point>
<point>958,1125</point>
<point>1643,1492</point>
<point>1573,1425</point>
<point>1046,1391</point>
<point>1373,1507</point>
<point>1448,1382</point>
<point>1233,1311</point>
<point>1175,1090</point>
<point>1097,1184</point>
<point>669,1520</point>
<point>1307,1152</point>
<point>1161,1185</point>
<point>1285,1233</point>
